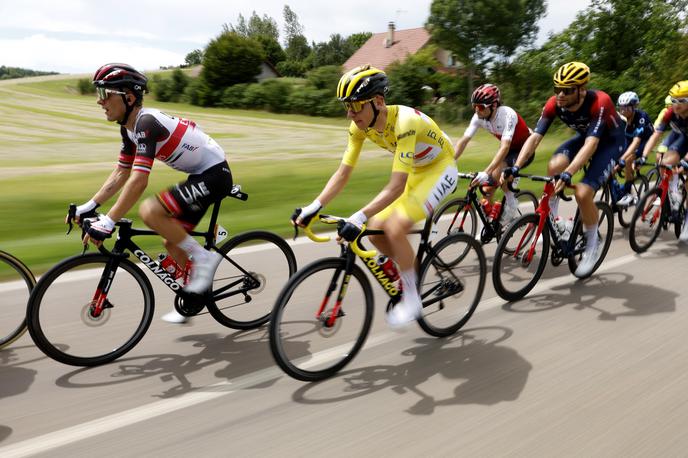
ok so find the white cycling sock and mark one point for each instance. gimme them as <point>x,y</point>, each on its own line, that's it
<point>511,201</point>
<point>409,279</point>
<point>554,206</point>
<point>673,184</point>
<point>192,248</point>
<point>590,237</point>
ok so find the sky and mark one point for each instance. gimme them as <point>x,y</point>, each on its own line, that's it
<point>77,36</point>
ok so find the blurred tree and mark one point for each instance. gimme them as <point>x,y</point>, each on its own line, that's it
<point>230,59</point>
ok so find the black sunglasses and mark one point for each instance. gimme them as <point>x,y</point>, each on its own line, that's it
<point>565,90</point>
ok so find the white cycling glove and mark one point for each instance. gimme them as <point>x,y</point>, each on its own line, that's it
<point>87,207</point>
<point>358,219</point>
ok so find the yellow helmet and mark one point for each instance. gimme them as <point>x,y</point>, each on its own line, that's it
<point>572,74</point>
<point>362,83</point>
<point>679,90</point>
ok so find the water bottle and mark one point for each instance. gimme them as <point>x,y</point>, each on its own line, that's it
<point>487,206</point>
<point>170,265</point>
<point>388,267</point>
<point>496,210</point>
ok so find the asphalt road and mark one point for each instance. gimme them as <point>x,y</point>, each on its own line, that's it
<point>577,368</point>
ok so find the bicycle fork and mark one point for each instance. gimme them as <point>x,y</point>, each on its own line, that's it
<point>329,322</point>
<point>99,303</point>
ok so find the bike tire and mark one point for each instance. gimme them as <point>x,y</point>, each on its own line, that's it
<point>54,286</point>
<point>605,223</point>
<point>296,308</point>
<point>441,282</point>
<point>511,254</point>
<point>456,216</point>
<point>271,269</point>
<point>638,188</point>
<point>681,214</point>
<point>17,271</point>
<point>641,240</point>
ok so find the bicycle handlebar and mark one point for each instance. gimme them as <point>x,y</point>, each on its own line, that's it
<point>328,219</point>
<point>548,179</point>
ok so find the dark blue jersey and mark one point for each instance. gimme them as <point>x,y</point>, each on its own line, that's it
<point>640,126</point>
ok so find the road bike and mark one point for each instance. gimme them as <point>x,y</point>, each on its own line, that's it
<point>16,282</point>
<point>522,252</point>
<point>324,313</point>
<point>461,214</point>
<point>655,212</point>
<point>611,196</point>
<point>91,309</point>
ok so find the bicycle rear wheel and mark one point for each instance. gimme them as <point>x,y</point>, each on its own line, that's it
<point>516,270</point>
<point>61,317</point>
<point>456,216</point>
<point>304,341</point>
<point>605,232</point>
<point>638,188</point>
<point>647,221</point>
<point>451,291</point>
<point>246,285</point>
<point>16,282</point>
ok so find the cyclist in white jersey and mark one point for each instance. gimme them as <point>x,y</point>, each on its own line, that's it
<point>149,134</point>
<point>509,128</point>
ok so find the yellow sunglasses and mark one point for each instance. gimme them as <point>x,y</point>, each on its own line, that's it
<point>355,106</point>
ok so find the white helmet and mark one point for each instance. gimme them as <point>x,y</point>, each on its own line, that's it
<point>628,98</point>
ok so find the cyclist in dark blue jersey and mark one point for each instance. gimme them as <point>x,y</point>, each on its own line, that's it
<point>599,143</point>
<point>638,130</point>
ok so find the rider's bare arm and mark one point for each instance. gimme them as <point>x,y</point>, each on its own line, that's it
<point>461,146</point>
<point>500,157</point>
<point>652,142</point>
<point>528,149</point>
<point>131,193</point>
<point>630,151</point>
<point>112,185</point>
<point>335,184</point>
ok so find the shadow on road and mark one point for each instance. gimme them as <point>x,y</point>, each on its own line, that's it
<point>14,380</point>
<point>236,354</point>
<point>639,299</point>
<point>490,373</point>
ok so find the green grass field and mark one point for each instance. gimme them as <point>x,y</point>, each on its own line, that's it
<point>59,149</point>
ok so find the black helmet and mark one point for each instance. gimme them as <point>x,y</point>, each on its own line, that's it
<point>362,83</point>
<point>121,75</point>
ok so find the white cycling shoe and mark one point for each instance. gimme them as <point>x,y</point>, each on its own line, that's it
<point>683,238</point>
<point>174,317</point>
<point>509,214</point>
<point>202,273</point>
<point>405,312</point>
<point>590,258</point>
<point>627,200</point>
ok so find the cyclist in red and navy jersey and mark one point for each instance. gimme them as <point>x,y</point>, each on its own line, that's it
<point>675,119</point>
<point>509,128</point>
<point>599,142</point>
<point>149,134</point>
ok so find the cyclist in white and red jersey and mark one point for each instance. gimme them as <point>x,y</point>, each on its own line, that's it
<point>512,132</point>
<point>149,134</point>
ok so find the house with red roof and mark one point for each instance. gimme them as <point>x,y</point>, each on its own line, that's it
<point>382,49</point>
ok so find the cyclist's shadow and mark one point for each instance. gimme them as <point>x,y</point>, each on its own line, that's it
<point>490,373</point>
<point>595,291</point>
<point>238,350</point>
<point>14,380</point>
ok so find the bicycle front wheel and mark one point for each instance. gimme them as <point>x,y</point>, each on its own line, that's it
<point>16,282</point>
<point>451,291</point>
<point>647,221</point>
<point>312,334</point>
<point>65,325</point>
<point>248,280</point>
<point>520,259</point>
<point>605,233</point>
<point>456,216</point>
<point>638,188</point>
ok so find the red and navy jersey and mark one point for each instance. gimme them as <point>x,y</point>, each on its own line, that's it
<point>674,121</point>
<point>596,117</point>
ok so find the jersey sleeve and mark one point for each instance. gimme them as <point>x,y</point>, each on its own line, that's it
<point>148,132</point>
<point>353,149</point>
<point>472,127</point>
<point>406,131</point>
<point>601,113</point>
<point>127,151</point>
<point>664,119</point>
<point>511,121</point>
<point>549,111</point>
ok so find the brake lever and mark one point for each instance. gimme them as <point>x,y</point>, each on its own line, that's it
<point>71,214</point>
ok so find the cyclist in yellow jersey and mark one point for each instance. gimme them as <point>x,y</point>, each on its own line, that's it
<point>423,173</point>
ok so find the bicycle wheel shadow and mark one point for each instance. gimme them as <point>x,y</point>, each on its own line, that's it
<point>239,352</point>
<point>639,299</point>
<point>489,372</point>
<point>14,380</point>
